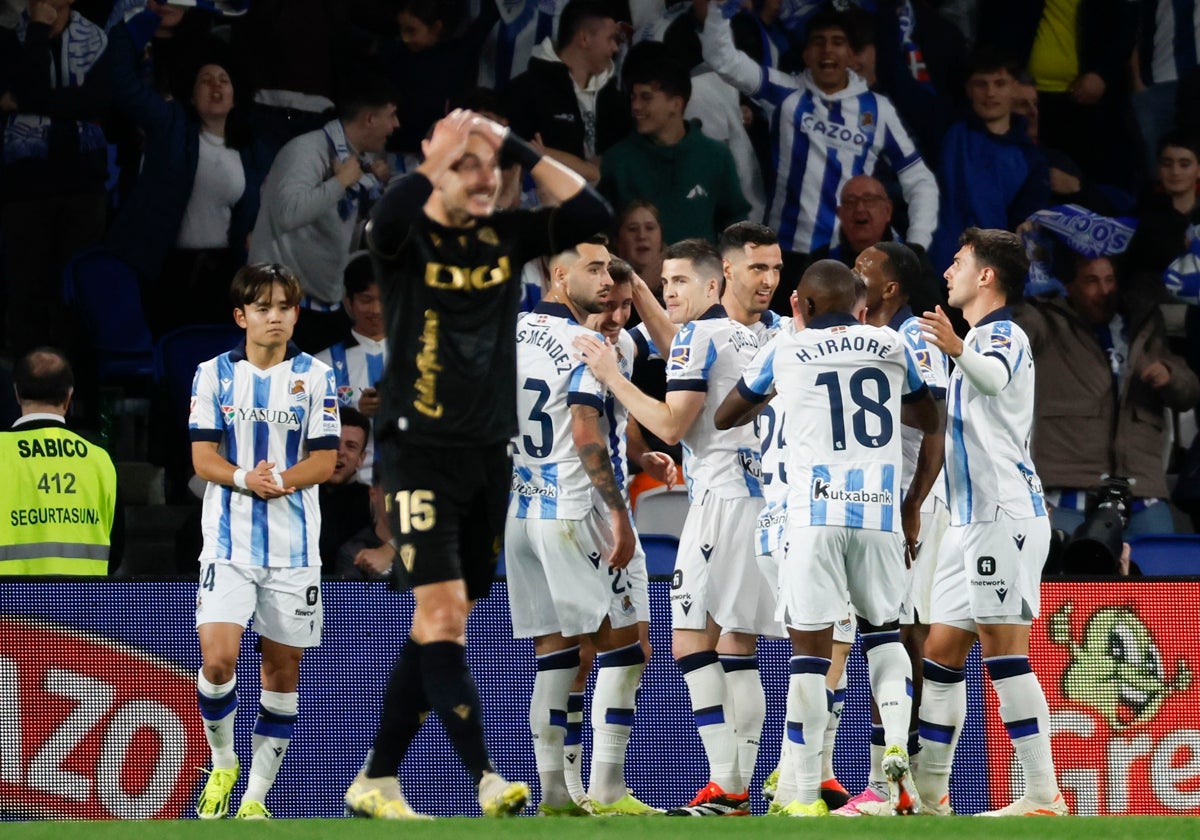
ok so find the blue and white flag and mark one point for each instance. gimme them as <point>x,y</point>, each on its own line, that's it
<point>1182,276</point>
<point>1084,232</point>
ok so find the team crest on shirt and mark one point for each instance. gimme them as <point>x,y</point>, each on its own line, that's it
<point>866,120</point>
<point>298,394</point>
<point>680,356</point>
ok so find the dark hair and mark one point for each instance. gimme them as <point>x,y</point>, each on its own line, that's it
<point>359,273</point>
<point>594,239</point>
<point>620,271</point>
<point>703,256</point>
<point>368,93</point>
<point>1180,140</point>
<point>351,416</point>
<point>901,266</point>
<point>650,63</point>
<point>446,12</point>
<point>482,100</point>
<point>576,16</point>
<point>253,280</point>
<point>835,281</point>
<point>1004,253</point>
<point>989,59</point>
<point>43,375</point>
<point>831,18</point>
<point>740,234</point>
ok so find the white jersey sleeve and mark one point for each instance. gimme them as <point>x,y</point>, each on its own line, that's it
<point>989,470</point>
<point>708,355</point>
<point>934,367</point>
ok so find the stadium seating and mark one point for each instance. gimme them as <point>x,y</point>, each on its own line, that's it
<point>661,511</point>
<point>103,292</point>
<point>1166,554</point>
<point>660,553</point>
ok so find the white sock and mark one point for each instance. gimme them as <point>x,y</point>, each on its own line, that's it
<point>891,683</point>
<point>808,712</point>
<point>1026,716</point>
<point>277,712</point>
<point>706,685</point>
<point>785,791</point>
<point>218,709</point>
<point>749,709</point>
<point>573,746</point>
<point>548,721</point>
<point>875,777</point>
<point>940,723</point>
<point>837,699</point>
<point>618,674</point>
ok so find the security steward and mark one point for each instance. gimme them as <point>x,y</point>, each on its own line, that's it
<point>58,491</point>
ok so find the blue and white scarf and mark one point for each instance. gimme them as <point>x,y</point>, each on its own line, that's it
<point>1084,232</point>
<point>27,136</point>
<point>1182,276</point>
<point>368,186</point>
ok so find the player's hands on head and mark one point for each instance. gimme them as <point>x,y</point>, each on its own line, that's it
<point>489,129</point>
<point>449,139</point>
<point>599,356</point>
<point>938,331</point>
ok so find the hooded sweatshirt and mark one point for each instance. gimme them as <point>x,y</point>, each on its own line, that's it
<point>693,183</point>
<point>584,121</point>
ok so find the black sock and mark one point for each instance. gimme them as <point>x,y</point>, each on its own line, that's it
<point>404,708</point>
<point>452,694</point>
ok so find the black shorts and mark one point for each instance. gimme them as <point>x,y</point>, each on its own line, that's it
<point>447,507</point>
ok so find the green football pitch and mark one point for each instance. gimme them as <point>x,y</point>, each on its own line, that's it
<point>919,828</point>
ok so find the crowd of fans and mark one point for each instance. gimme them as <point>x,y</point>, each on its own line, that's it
<point>189,138</point>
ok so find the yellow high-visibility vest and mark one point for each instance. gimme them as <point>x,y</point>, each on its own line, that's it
<point>58,495</point>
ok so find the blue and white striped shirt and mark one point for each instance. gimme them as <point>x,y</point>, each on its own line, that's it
<point>278,415</point>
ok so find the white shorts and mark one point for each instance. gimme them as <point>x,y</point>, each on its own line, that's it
<point>991,572</point>
<point>920,577</point>
<point>285,603</point>
<point>559,580</point>
<point>845,630</point>
<point>716,573</point>
<point>829,565</point>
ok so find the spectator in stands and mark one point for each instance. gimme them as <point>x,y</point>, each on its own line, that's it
<point>1079,54</point>
<point>991,173</point>
<point>864,218</point>
<point>49,469</point>
<point>639,241</point>
<point>311,202</point>
<point>1167,49</point>
<point>715,104</point>
<point>368,554</point>
<point>299,56</point>
<point>1168,208</point>
<point>569,96</point>
<point>185,224</point>
<point>54,90</point>
<point>509,45</point>
<point>827,127</point>
<point>691,178</point>
<point>433,61</point>
<point>1104,380</point>
<point>345,501</point>
<point>359,360</point>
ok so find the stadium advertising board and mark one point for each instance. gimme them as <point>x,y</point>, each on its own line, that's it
<point>1118,662</point>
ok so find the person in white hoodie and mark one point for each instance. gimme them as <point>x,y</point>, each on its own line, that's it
<point>828,127</point>
<point>569,96</point>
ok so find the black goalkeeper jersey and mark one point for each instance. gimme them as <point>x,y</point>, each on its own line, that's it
<point>451,297</point>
